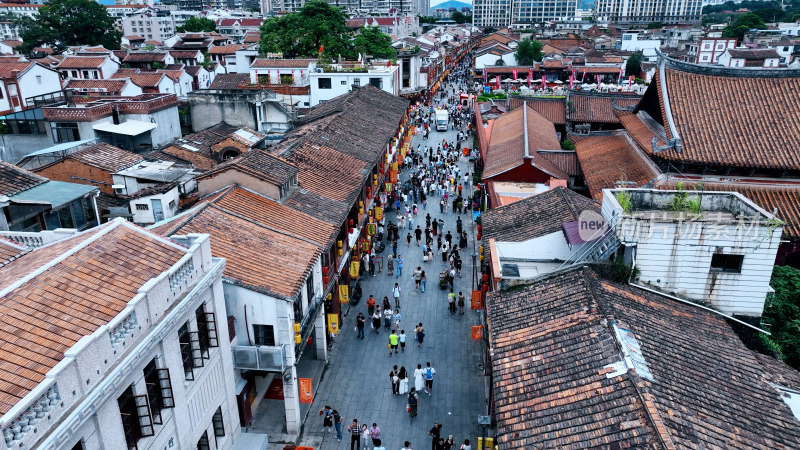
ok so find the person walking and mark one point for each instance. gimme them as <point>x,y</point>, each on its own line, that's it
<point>397,319</point>
<point>378,445</point>
<point>406,446</point>
<point>337,423</point>
<point>435,433</point>
<point>355,435</point>
<point>327,418</point>
<point>375,435</point>
<point>413,402</point>
<point>395,380</point>
<point>393,342</point>
<point>461,303</point>
<point>429,373</point>
<point>399,263</point>
<point>451,301</point>
<point>418,235</point>
<point>370,305</point>
<point>420,333</point>
<point>449,443</point>
<point>403,376</point>
<point>360,322</point>
<point>387,318</point>
<point>402,338</point>
<point>417,277</point>
<point>396,294</point>
<point>376,320</point>
<point>465,445</point>
<point>419,378</point>
<point>365,436</point>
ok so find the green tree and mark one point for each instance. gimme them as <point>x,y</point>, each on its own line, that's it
<point>743,24</point>
<point>654,25</point>
<point>784,313</point>
<point>372,41</point>
<point>634,65</point>
<point>459,17</point>
<point>62,23</point>
<point>197,24</point>
<point>528,51</point>
<point>302,33</point>
<point>500,62</point>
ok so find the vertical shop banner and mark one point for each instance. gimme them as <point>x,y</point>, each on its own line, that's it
<point>387,187</point>
<point>344,293</point>
<point>477,299</point>
<point>354,269</point>
<point>305,385</point>
<point>393,176</point>
<point>372,231</point>
<point>383,202</point>
<point>379,212</point>
<point>333,324</point>
<point>476,332</point>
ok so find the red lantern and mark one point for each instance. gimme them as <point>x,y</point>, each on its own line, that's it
<point>480,228</point>
<point>485,277</point>
<point>325,270</point>
<point>325,280</point>
<point>310,339</point>
<point>351,229</point>
<point>485,288</point>
<point>479,236</point>
<point>351,224</point>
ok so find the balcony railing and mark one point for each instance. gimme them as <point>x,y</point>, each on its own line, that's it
<point>263,357</point>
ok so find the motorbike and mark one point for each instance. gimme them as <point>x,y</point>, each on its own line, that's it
<point>380,247</point>
<point>355,297</point>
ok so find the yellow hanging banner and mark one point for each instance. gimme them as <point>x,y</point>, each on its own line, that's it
<point>333,324</point>
<point>354,269</point>
<point>378,213</point>
<point>343,291</point>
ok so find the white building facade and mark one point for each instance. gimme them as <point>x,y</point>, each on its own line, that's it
<point>647,11</point>
<point>328,85</point>
<point>722,255</point>
<point>157,375</point>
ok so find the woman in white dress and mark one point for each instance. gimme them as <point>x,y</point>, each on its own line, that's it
<point>403,375</point>
<point>419,379</point>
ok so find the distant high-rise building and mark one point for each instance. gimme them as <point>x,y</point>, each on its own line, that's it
<point>501,13</point>
<point>647,11</point>
<point>424,7</point>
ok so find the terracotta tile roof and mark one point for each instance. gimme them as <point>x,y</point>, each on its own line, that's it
<point>783,197</point>
<point>516,222</point>
<point>598,108</point>
<point>715,128</point>
<point>184,54</point>
<point>565,160</point>
<point>147,80</point>
<point>106,157</point>
<point>196,159</point>
<point>10,69</point>
<point>14,180</point>
<point>507,144</point>
<point>138,57</point>
<point>230,80</point>
<point>12,42</point>
<point>261,165</point>
<point>114,85</point>
<point>694,384</point>
<point>133,37</point>
<point>252,38</point>
<point>174,75</point>
<point>81,62</point>
<point>554,110</point>
<point>607,159</point>
<point>10,250</point>
<point>276,215</point>
<point>84,287</point>
<point>227,49</point>
<point>258,257</point>
<point>264,63</point>
<point>641,128</point>
<point>753,53</point>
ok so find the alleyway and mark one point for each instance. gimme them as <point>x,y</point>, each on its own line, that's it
<point>356,382</point>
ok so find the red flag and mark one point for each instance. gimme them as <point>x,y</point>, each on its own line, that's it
<point>514,73</point>
<point>571,81</point>
<point>497,82</point>
<point>321,47</point>
<point>530,76</point>
<point>599,78</point>
<point>544,82</point>
<point>389,63</point>
<point>574,74</point>
<point>619,79</point>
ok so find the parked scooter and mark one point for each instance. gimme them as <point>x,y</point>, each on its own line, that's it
<point>355,297</point>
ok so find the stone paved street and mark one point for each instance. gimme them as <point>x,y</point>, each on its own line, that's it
<point>356,382</point>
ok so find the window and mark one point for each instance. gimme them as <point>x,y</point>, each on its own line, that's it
<point>206,330</point>
<point>172,205</point>
<point>219,427</point>
<point>377,82</point>
<point>190,351</point>
<point>38,79</point>
<point>78,445</point>
<point>203,444</point>
<point>264,335</point>
<point>324,83</point>
<point>159,390</point>
<point>65,132</point>
<point>357,82</point>
<point>727,263</point>
<point>344,82</point>
<point>134,411</point>
<point>142,207</point>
